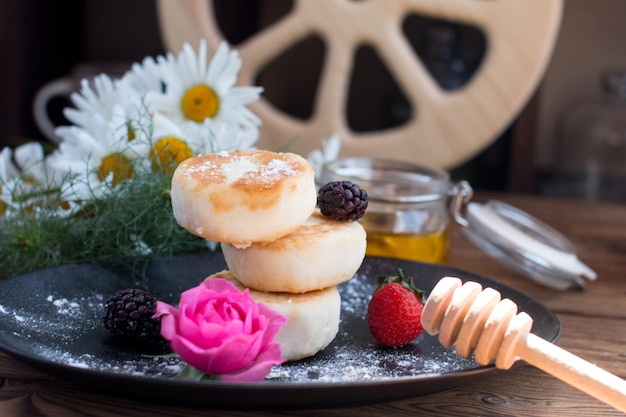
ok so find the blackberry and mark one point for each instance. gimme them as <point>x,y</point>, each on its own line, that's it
<point>342,200</point>
<point>129,312</point>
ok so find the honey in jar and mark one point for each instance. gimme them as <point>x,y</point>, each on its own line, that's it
<point>407,215</point>
<point>427,247</point>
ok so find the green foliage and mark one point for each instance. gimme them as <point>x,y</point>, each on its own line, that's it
<point>118,228</point>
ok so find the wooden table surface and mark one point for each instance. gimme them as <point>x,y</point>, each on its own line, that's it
<point>593,327</point>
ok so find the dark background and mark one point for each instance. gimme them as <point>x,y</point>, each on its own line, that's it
<point>43,40</point>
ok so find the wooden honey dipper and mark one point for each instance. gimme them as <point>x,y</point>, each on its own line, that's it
<point>473,319</point>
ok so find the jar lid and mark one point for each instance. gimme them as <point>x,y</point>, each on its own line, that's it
<point>389,180</point>
<point>526,244</point>
<point>508,234</point>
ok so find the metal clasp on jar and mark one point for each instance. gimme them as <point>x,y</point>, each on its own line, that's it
<point>460,195</point>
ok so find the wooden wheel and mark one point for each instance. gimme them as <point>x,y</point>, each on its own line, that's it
<point>450,127</point>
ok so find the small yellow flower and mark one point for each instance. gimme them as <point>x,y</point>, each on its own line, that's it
<point>117,164</point>
<point>168,152</point>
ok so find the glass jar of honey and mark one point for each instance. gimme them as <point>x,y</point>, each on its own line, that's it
<point>408,214</point>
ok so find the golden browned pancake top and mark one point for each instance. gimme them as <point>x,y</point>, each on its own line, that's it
<point>247,170</point>
<point>317,226</point>
<point>255,179</point>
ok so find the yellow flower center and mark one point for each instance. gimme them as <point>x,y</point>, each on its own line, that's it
<point>65,206</point>
<point>130,131</point>
<point>3,206</point>
<point>117,164</point>
<point>200,102</point>
<point>168,152</point>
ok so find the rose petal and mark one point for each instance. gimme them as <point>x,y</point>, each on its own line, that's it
<point>169,317</point>
<point>188,325</point>
<point>235,354</point>
<point>258,370</point>
<point>196,297</point>
<point>191,354</point>
<point>220,330</point>
<point>211,335</point>
<point>221,285</point>
<point>276,322</point>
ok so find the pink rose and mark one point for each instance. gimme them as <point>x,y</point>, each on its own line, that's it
<point>222,331</point>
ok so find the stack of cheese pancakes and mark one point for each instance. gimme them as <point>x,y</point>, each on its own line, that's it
<point>260,206</point>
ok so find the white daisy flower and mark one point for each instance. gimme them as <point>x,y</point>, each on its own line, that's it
<point>8,170</point>
<point>95,158</point>
<point>328,153</point>
<point>101,100</point>
<point>25,178</point>
<point>30,159</point>
<point>195,91</point>
<point>164,144</point>
<point>116,102</point>
<point>8,174</point>
<point>145,77</point>
<point>215,136</point>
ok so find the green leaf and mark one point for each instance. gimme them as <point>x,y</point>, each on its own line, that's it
<point>406,282</point>
<point>107,229</point>
<point>164,356</point>
<point>190,373</point>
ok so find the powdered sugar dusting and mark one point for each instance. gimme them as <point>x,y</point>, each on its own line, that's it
<point>237,167</point>
<point>354,300</point>
<point>64,306</point>
<point>60,331</point>
<point>59,321</point>
<point>69,331</point>
<point>374,364</point>
<point>354,356</point>
<point>161,366</point>
<point>276,167</point>
<point>207,167</point>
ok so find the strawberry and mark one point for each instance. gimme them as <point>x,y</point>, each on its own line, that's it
<point>395,310</point>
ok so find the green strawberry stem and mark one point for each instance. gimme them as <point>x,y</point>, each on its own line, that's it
<point>406,282</point>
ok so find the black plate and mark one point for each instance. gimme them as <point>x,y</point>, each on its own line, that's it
<point>52,319</point>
